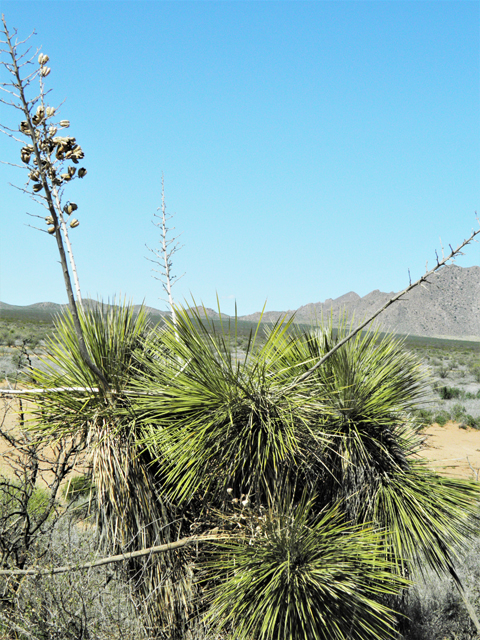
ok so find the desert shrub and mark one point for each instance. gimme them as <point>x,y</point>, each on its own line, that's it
<point>469,420</point>
<point>434,608</point>
<point>91,603</point>
<point>425,416</point>
<point>442,372</point>
<point>448,393</point>
<point>475,371</point>
<point>458,412</point>
<point>442,418</point>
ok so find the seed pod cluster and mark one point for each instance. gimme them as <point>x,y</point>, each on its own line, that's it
<point>55,151</point>
<point>39,116</point>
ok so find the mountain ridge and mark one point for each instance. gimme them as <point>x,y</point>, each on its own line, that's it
<point>448,307</point>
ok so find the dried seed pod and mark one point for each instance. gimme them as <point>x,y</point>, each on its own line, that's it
<point>40,110</point>
<point>51,230</point>
<point>49,220</point>
<point>50,112</point>
<point>36,120</point>
<point>37,187</point>
<point>52,130</point>
<point>71,171</point>
<point>82,172</point>
<point>24,128</point>
<point>74,223</point>
<point>65,176</point>
<point>78,152</point>
<point>44,71</point>
<point>64,124</point>
<point>25,157</point>
<point>70,207</point>
<point>60,153</point>
<point>43,59</point>
<point>34,175</point>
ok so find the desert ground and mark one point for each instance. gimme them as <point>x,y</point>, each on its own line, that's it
<point>453,450</point>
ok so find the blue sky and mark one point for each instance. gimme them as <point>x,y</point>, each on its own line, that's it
<point>309,148</point>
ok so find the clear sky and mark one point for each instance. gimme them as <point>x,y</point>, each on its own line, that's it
<point>309,148</point>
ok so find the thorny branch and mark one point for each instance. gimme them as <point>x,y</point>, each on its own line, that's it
<point>440,263</point>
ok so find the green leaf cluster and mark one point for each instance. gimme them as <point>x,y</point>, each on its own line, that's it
<point>318,485</point>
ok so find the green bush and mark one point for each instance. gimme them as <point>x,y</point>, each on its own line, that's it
<point>470,421</point>
<point>448,393</point>
<point>442,418</point>
<point>458,412</point>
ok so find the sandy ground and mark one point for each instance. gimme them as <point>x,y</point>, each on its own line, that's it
<point>453,451</point>
<point>9,420</point>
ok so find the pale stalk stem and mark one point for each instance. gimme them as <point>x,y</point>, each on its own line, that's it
<point>165,257</point>
<point>51,207</point>
<point>69,246</point>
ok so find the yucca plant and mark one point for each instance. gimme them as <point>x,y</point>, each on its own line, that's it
<point>372,462</point>
<point>215,423</point>
<point>131,510</point>
<point>303,576</point>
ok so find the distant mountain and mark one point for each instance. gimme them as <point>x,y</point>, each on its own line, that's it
<point>46,311</point>
<point>448,307</point>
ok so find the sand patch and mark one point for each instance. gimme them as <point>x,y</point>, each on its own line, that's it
<point>453,451</point>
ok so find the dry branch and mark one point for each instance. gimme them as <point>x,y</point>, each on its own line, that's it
<point>162,548</point>
<point>440,263</point>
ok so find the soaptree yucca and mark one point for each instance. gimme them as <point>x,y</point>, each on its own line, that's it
<point>131,511</point>
<point>215,423</point>
<point>372,463</point>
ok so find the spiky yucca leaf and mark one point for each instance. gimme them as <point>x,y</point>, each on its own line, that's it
<point>217,423</point>
<point>304,577</point>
